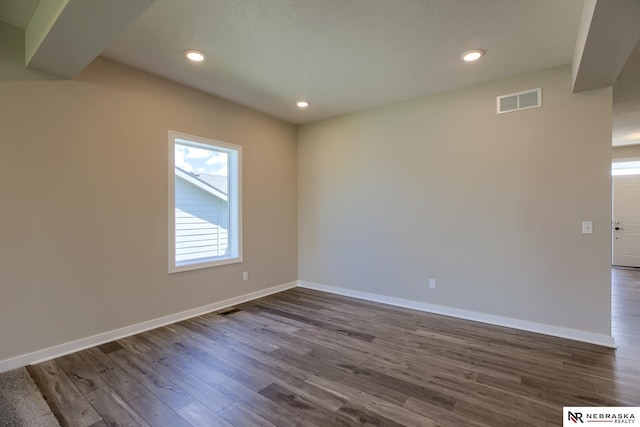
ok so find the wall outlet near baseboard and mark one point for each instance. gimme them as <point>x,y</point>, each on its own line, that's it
<point>245,276</point>
<point>432,283</point>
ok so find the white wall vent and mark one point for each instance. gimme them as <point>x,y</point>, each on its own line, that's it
<point>519,101</point>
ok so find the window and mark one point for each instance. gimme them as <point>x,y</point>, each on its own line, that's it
<point>622,168</point>
<point>204,203</point>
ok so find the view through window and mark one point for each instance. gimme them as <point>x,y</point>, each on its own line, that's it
<point>205,211</point>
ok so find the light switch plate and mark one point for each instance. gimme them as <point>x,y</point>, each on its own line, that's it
<point>587,227</point>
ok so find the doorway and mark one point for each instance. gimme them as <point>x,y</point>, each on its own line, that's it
<point>625,229</point>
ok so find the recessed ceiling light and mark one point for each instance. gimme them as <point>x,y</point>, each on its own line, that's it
<point>194,55</point>
<point>472,55</point>
<point>302,104</point>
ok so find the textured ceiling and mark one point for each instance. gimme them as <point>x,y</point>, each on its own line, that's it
<point>345,55</point>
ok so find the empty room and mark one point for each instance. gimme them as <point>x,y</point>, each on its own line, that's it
<point>319,212</point>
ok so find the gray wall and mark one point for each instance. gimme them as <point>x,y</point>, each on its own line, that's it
<point>438,187</point>
<point>83,228</point>
<point>489,205</point>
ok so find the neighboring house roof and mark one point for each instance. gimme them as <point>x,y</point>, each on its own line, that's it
<point>217,185</point>
<point>219,182</point>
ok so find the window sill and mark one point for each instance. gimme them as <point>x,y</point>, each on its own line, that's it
<point>199,265</point>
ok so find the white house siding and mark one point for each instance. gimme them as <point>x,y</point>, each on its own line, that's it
<point>202,223</point>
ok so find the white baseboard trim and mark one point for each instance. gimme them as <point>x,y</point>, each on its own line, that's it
<point>541,328</point>
<point>105,337</point>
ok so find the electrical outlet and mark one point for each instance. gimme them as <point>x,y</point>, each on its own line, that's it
<point>245,276</point>
<point>432,283</point>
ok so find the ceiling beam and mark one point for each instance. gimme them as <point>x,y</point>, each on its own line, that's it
<point>64,36</point>
<point>608,33</point>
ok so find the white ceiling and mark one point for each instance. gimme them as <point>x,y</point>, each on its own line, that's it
<point>345,55</point>
<point>349,55</point>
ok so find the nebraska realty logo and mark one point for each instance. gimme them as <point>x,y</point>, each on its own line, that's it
<point>604,416</point>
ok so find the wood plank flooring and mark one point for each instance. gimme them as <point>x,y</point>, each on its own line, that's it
<point>306,358</point>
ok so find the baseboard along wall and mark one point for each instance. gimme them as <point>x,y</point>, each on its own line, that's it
<point>105,337</point>
<point>92,341</point>
<point>540,328</point>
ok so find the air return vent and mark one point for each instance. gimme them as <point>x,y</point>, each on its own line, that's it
<point>519,101</point>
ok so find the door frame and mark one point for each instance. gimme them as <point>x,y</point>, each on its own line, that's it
<point>633,166</point>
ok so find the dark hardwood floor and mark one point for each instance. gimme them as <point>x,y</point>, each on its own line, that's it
<point>306,358</point>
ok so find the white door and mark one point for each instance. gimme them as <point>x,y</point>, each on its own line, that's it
<point>626,221</point>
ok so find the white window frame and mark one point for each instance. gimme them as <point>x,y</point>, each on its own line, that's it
<point>625,167</point>
<point>234,198</point>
